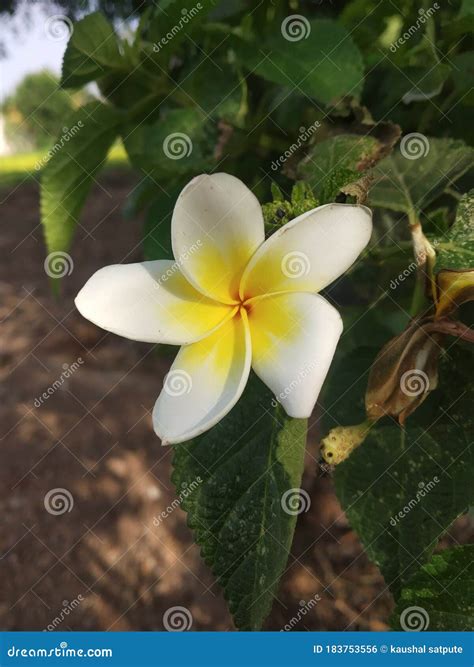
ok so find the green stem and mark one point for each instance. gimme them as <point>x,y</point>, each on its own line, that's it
<point>424,255</point>
<point>453,193</point>
<point>418,301</point>
<point>389,251</point>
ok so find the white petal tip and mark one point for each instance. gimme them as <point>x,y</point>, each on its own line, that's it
<point>78,302</point>
<point>173,439</point>
<point>298,414</point>
<point>165,440</point>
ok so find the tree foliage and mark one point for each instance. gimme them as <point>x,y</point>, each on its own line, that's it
<point>36,110</point>
<point>364,104</point>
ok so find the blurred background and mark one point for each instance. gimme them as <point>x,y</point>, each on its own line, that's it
<point>76,408</point>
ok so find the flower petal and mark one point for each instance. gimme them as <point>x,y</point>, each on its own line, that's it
<point>294,336</point>
<point>309,252</point>
<point>150,301</point>
<point>217,225</point>
<point>205,381</point>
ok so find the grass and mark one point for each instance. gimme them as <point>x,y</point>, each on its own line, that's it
<point>25,166</point>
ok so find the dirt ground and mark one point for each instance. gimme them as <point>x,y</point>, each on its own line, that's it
<point>103,564</point>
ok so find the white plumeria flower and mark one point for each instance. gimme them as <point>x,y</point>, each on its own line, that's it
<point>233,301</point>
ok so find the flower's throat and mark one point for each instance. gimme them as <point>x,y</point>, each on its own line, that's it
<point>245,304</point>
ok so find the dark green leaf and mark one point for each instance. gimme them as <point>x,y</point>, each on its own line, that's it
<point>312,64</point>
<point>426,82</point>
<point>68,176</point>
<point>216,89</point>
<point>418,172</point>
<point>173,21</point>
<point>246,463</point>
<point>455,250</point>
<point>366,330</point>
<point>463,75</point>
<point>91,53</point>
<point>375,25</point>
<point>335,162</point>
<point>343,394</point>
<point>441,595</point>
<point>403,488</point>
<point>463,22</point>
<point>157,231</point>
<point>171,146</point>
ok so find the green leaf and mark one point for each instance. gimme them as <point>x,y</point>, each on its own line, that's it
<point>463,74</point>
<point>463,23</point>
<point>335,162</point>
<point>157,230</point>
<point>174,28</point>
<point>418,172</point>
<point>311,65</point>
<point>442,591</point>
<point>455,250</point>
<point>216,89</point>
<point>427,82</point>
<point>246,464</point>
<point>373,25</point>
<point>467,8</point>
<point>366,330</point>
<point>171,146</point>
<point>68,176</point>
<point>403,488</point>
<point>173,20</point>
<point>91,53</point>
<point>280,211</point>
<point>343,393</point>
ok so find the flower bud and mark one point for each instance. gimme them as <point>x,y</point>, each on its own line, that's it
<point>341,441</point>
<point>404,372</point>
<point>453,289</point>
